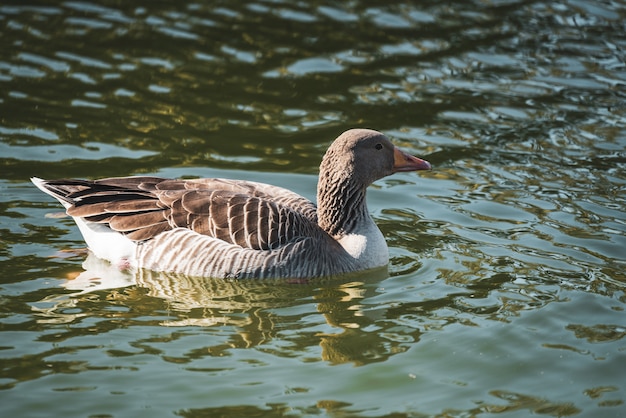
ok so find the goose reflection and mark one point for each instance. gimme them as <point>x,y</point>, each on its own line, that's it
<point>328,313</point>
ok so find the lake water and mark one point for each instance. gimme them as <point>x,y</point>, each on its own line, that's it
<point>506,289</point>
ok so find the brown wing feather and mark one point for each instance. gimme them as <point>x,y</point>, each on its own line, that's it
<point>131,183</point>
<point>149,232</point>
<point>247,221</point>
<point>252,215</point>
<point>118,202</point>
<point>276,194</point>
<point>131,222</point>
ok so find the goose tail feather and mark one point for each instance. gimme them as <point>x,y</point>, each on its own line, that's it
<point>104,242</point>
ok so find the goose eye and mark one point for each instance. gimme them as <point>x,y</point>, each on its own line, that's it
<point>379,146</point>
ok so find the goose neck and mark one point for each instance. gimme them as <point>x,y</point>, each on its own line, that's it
<point>341,206</point>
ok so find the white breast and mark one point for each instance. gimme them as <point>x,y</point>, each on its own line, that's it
<point>368,246</point>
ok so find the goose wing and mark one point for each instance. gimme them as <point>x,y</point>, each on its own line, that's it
<point>251,215</point>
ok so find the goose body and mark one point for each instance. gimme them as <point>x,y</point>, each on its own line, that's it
<point>236,228</point>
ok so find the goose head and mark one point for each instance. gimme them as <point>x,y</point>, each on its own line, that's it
<point>353,161</point>
<point>362,156</point>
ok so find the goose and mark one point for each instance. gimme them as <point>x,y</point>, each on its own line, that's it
<point>223,228</point>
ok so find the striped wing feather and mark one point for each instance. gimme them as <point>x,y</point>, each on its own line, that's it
<point>279,195</point>
<point>248,214</point>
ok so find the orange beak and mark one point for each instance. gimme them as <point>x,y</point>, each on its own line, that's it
<point>406,162</point>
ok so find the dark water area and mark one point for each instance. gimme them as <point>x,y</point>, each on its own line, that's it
<point>505,293</point>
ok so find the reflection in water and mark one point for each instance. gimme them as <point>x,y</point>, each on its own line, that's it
<point>531,404</point>
<point>513,402</point>
<point>252,306</point>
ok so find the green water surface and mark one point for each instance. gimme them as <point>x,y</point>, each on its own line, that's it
<point>505,293</point>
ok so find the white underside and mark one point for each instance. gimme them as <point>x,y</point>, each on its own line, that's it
<point>108,244</point>
<point>368,247</point>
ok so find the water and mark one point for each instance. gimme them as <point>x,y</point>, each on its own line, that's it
<point>506,289</point>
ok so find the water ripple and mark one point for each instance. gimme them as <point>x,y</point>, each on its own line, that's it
<point>507,264</point>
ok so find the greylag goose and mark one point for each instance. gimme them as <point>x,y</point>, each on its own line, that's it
<point>240,229</point>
